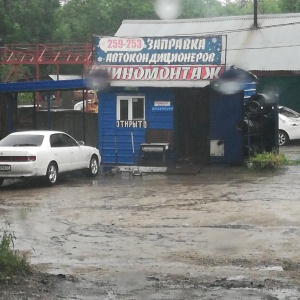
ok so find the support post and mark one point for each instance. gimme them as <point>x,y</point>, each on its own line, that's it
<point>255,14</point>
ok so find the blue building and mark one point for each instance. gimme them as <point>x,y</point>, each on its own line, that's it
<point>161,106</point>
<point>198,121</point>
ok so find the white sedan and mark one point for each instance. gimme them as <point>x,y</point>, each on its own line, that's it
<point>289,125</point>
<point>45,154</point>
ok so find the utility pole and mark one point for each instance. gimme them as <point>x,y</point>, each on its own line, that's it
<point>255,25</point>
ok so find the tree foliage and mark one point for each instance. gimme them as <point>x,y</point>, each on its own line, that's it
<point>78,20</point>
<point>30,21</point>
<point>289,6</point>
<point>38,21</point>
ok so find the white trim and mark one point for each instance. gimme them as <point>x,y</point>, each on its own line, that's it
<point>161,84</point>
<point>142,169</point>
<point>130,98</point>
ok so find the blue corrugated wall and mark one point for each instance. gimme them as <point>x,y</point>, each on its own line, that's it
<point>226,113</point>
<point>115,144</point>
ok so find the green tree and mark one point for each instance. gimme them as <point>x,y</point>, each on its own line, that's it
<point>29,21</point>
<point>289,6</point>
<point>268,7</point>
<point>246,7</point>
<point>201,8</point>
<point>78,20</point>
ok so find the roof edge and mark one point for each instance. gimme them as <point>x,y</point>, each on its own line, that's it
<point>213,19</point>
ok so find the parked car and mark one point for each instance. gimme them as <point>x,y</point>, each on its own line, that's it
<point>288,124</point>
<point>45,154</point>
<point>89,106</point>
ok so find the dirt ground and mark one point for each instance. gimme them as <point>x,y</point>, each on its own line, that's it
<point>225,233</point>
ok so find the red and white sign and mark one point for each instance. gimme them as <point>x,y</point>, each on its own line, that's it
<point>161,73</point>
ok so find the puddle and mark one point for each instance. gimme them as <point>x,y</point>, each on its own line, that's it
<point>271,268</point>
<point>221,224</point>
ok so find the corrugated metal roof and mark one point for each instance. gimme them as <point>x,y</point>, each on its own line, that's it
<point>273,46</point>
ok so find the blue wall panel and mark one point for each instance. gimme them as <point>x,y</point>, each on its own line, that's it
<point>116,143</point>
<point>160,119</point>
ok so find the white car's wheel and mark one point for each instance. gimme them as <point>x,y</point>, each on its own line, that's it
<point>282,138</point>
<point>94,166</point>
<point>52,172</point>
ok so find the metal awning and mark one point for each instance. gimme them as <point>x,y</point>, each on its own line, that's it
<point>44,85</point>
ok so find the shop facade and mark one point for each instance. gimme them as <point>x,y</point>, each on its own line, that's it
<point>161,108</point>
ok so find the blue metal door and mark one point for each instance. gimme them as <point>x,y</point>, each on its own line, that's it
<point>226,132</point>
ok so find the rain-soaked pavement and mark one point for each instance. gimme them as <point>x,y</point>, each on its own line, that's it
<point>226,233</point>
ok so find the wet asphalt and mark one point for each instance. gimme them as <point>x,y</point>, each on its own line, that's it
<point>225,233</point>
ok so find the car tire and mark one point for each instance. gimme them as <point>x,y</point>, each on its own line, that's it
<point>94,166</point>
<point>1,181</point>
<point>283,138</point>
<point>52,173</point>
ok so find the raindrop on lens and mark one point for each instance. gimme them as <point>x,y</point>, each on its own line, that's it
<point>168,9</point>
<point>98,79</point>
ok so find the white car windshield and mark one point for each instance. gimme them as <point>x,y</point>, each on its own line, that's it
<point>20,140</point>
<point>288,112</point>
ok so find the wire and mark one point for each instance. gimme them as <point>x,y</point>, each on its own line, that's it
<point>258,48</point>
<point>245,30</point>
<point>240,30</point>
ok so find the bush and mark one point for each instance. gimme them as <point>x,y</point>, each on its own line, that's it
<point>267,161</point>
<point>11,262</point>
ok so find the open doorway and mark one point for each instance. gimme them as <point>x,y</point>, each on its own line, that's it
<point>191,124</point>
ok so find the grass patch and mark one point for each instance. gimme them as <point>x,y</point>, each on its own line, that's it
<point>11,261</point>
<point>267,161</point>
<point>295,162</point>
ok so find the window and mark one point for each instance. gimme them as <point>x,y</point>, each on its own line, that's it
<point>62,140</point>
<point>15,140</point>
<point>288,112</point>
<point>130,108</point>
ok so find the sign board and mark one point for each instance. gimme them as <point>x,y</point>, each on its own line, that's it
<point>168,59</point>
<point>162,103</point>
<point>216,148</point>
<point>161,106</point>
